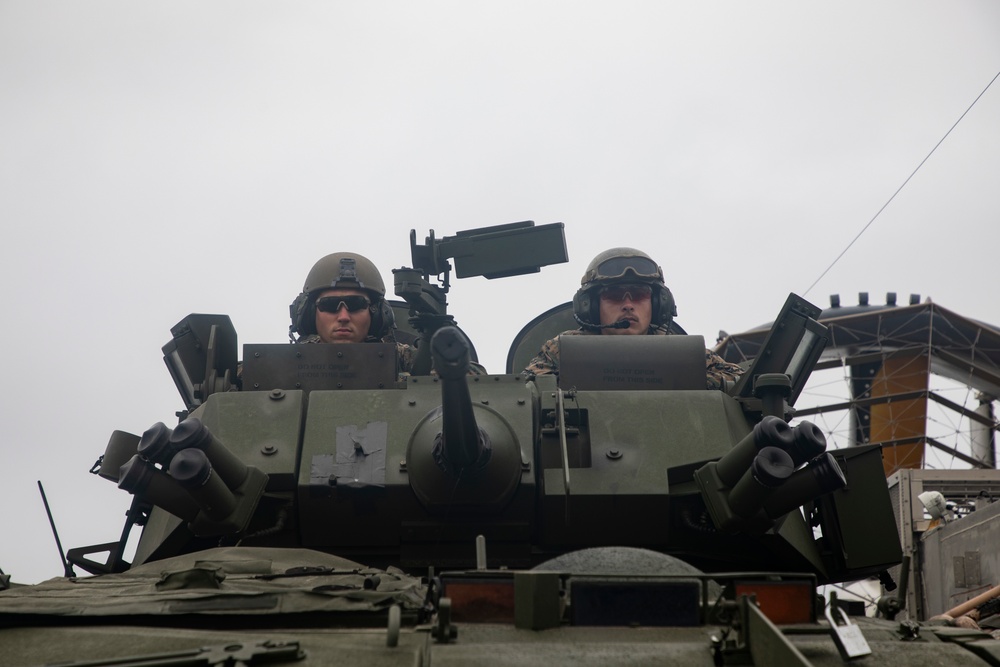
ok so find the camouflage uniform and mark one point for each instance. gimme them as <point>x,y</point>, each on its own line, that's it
<point>547,360</point>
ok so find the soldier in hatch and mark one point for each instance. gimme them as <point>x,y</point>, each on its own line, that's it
<point>623,293</point>
<point>343,301</point>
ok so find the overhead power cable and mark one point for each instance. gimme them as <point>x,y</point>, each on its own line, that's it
<point>865,228</point>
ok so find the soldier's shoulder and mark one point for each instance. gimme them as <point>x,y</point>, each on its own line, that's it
<point>553,343</point>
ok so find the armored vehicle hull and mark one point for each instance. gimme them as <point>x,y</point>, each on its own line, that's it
<point>312,505</point>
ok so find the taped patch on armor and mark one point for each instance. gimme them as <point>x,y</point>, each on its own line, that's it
<point>321,470</point>
<point>361,455</point>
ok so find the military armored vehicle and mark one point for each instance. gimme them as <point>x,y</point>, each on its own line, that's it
<point>312,506</point>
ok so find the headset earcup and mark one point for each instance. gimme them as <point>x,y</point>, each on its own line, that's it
<point>388,317</point>
<point>582,306</point>
<point>302,312</point>
<point>664,309</point>
<point>383,319</point>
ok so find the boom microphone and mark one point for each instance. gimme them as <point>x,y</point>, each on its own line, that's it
<point>620,324</point>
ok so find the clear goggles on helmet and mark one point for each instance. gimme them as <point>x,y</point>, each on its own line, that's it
<point>617,267</point>
<point>333,304</point>
<point>618,293</point>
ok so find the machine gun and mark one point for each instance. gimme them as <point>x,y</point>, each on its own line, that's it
<point>492,252</point>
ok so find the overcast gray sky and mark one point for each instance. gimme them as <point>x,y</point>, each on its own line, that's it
<point>163,158</point>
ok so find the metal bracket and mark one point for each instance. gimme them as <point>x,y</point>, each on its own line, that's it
<point>759,637</point>
<point>444,631</point>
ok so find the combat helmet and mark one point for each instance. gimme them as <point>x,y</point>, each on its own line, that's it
<point>347,270</point>
<point>622,265</point>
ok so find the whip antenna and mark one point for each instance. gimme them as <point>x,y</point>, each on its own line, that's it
<point>67,568</point>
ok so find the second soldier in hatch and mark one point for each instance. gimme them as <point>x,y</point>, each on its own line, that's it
<point>343,301</point>
<point>623,293</point>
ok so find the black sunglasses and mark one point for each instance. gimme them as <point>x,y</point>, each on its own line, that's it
<point>353,303</point>
<point>618,293</point>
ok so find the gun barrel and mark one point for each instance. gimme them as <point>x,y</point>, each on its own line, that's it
<point>462,443</point>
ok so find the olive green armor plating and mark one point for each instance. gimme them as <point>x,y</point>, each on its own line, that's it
<point>575,496</point>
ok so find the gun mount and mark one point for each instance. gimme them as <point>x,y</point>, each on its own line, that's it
<point>499,251</point>
<point>464,466</point>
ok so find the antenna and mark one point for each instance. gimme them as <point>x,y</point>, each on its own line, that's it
<point>67,568</point>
